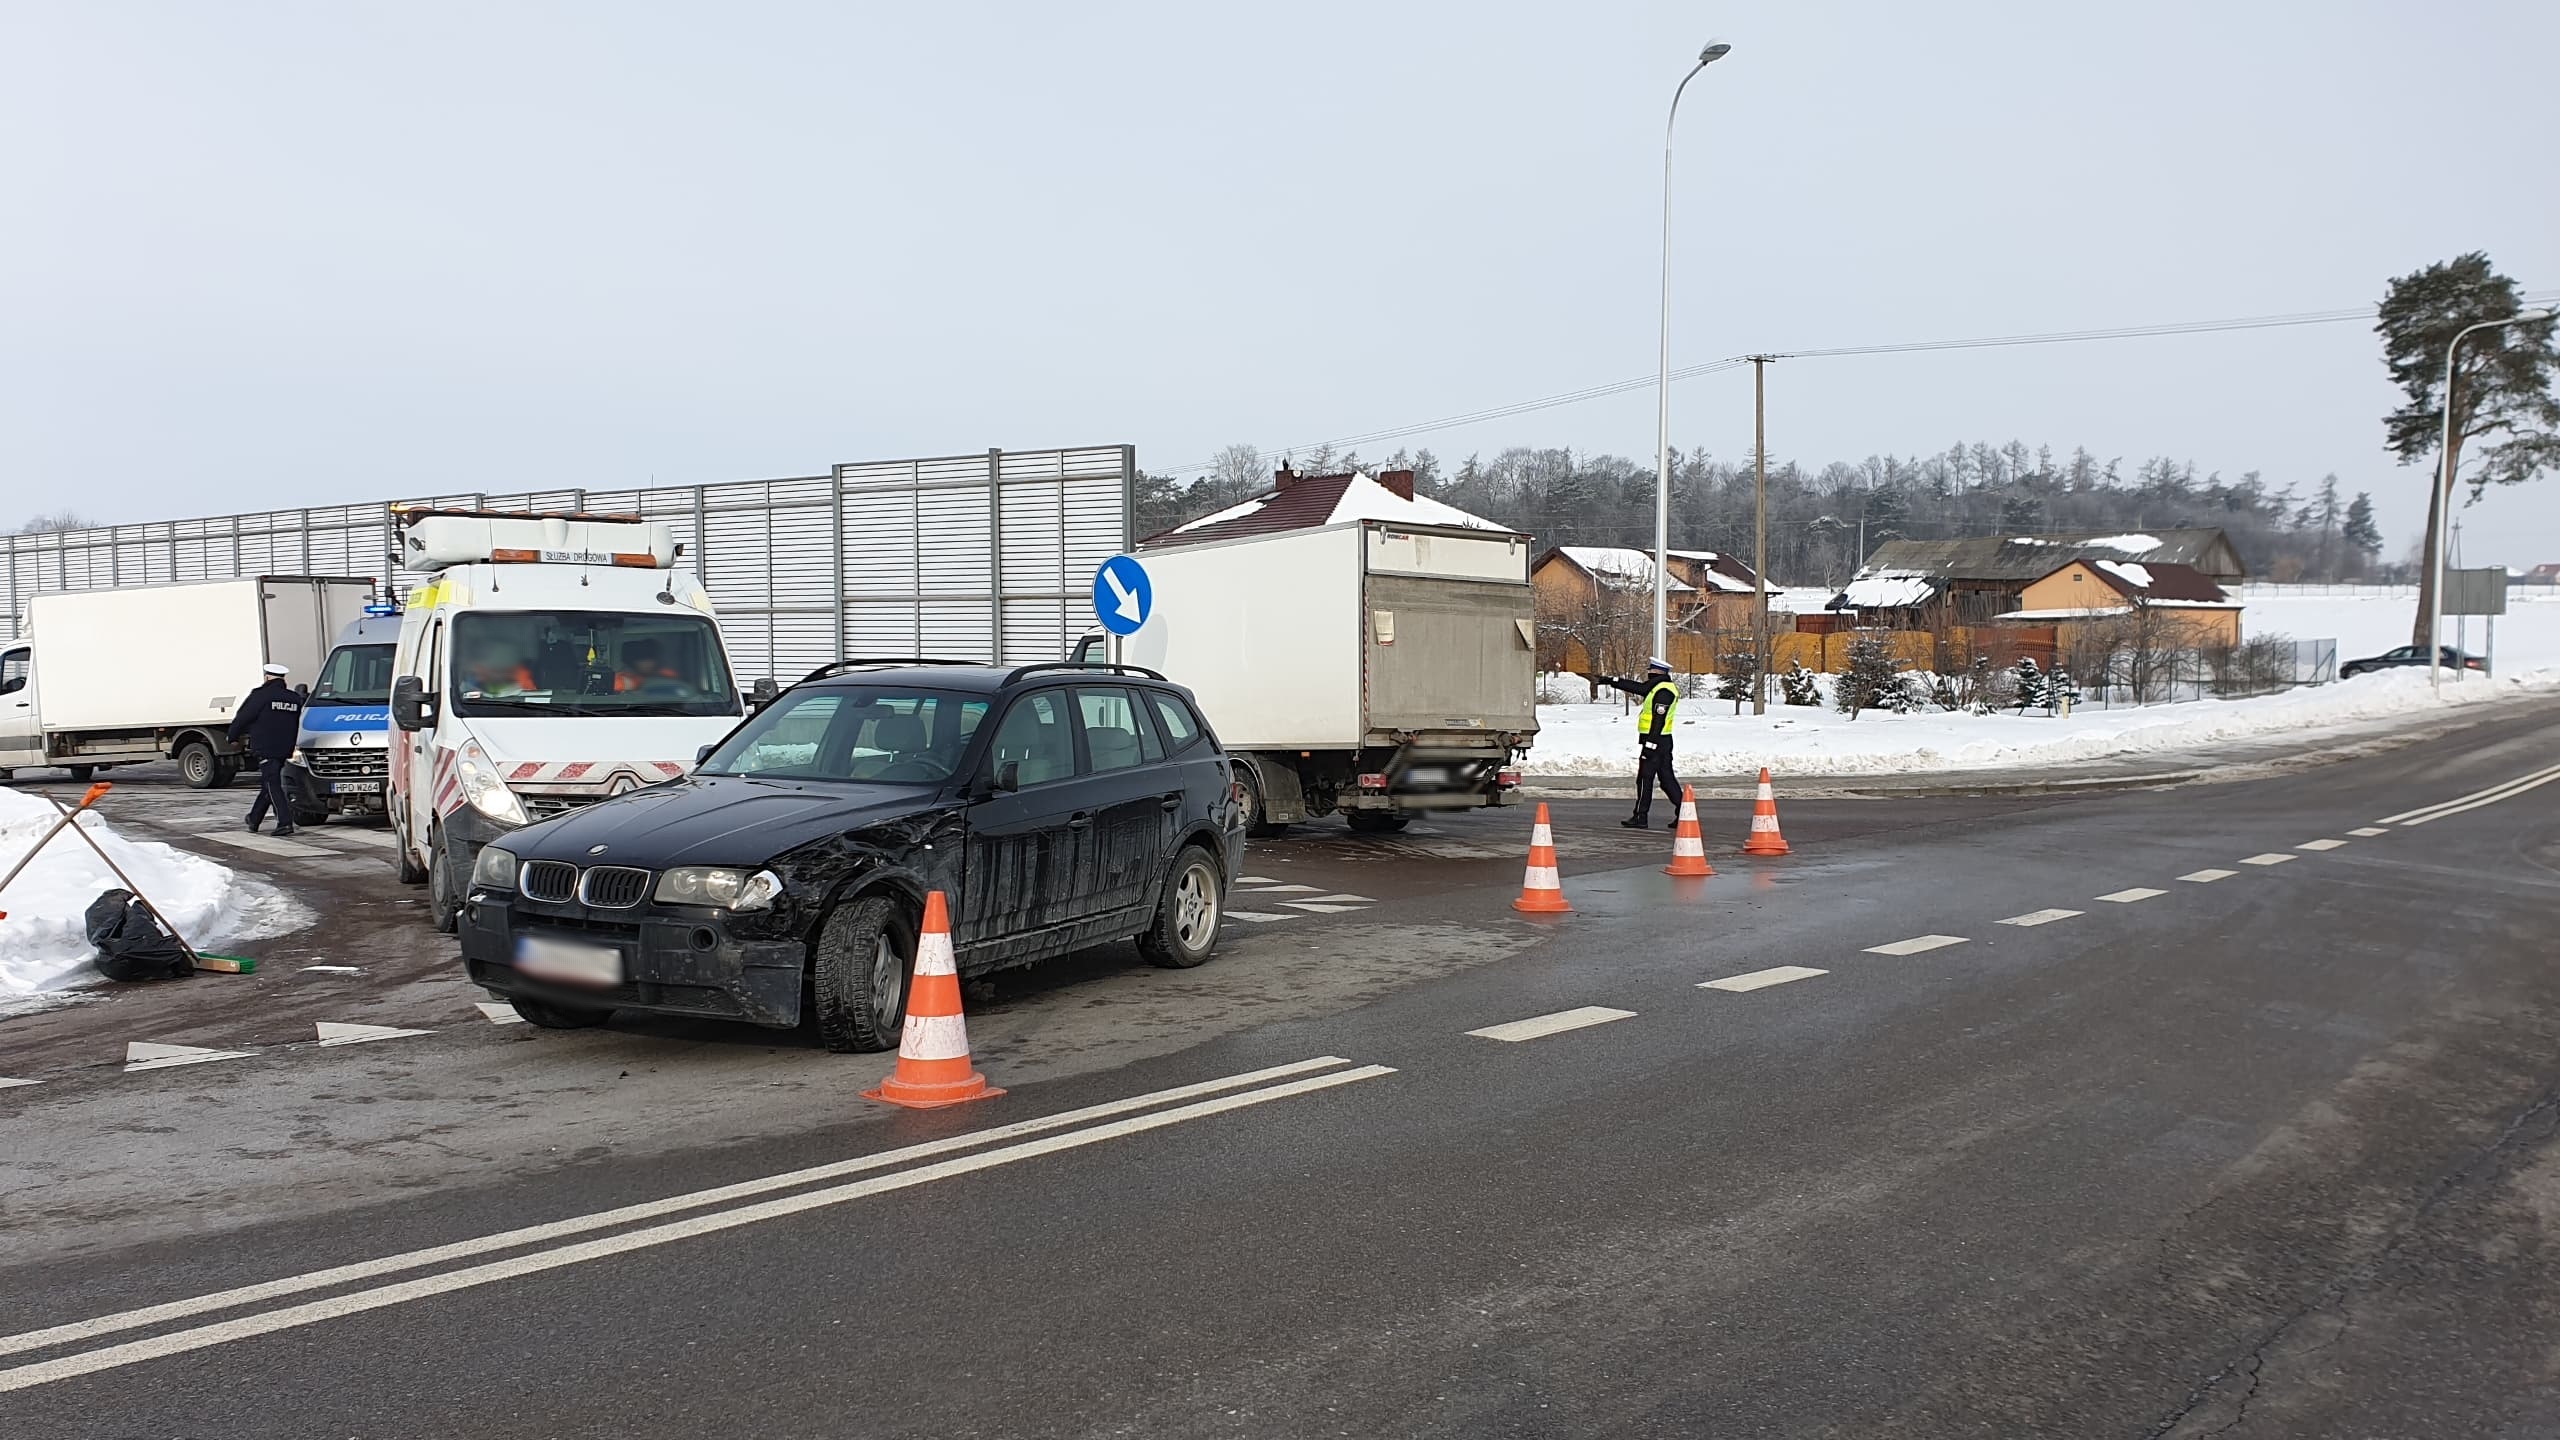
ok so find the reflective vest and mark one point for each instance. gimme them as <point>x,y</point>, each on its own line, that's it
<point>1670,713</point>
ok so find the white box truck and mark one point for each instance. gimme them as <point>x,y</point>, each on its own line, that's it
<point>151,672</point>
<point>1371,668</point>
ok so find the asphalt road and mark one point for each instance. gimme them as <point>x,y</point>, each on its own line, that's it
<point>2264,1152</point>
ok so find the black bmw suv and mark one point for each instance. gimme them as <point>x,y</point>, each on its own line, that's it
<point>1056,806</point>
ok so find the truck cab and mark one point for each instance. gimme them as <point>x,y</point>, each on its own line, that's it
<point>341,763</point>
<point>551,662</point>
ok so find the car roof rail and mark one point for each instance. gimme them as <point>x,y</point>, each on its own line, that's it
<point>879,662</point>
<point>1139,670</point>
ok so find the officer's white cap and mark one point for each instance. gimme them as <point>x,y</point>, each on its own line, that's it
<point>1657,663</point>
<point>279,670</point>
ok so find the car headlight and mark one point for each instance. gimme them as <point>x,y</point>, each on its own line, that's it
<point>727,889</point>
<point>481,786</point>
<point>495,870</point>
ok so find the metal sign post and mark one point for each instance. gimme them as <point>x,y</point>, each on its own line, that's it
<point>1123,598</point>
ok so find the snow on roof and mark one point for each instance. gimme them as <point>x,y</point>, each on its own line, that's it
<point>2125,570</point>
<point>1366,499</point>
<point>2031,540</point>
<point>1232,512</point>
<point>1621,567</point>
<point>2136,543</point>
<point>1797,601</point>
<point>1889,590</point>
<point>1360,497</point>
<point>2090,612</point>
<point>1707,556</point>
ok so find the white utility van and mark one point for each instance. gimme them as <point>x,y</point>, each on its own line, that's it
<point>553,661</point>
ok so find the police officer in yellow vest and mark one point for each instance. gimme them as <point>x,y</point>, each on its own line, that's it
<point>1659,711</point>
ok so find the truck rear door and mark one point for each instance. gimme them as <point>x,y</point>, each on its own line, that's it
<point>1451,626</point>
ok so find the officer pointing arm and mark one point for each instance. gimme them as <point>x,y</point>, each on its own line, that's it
<point>1657,712</point>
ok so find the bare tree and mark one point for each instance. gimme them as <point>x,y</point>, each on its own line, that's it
<point>58,520</point>
<point>1238,471</point>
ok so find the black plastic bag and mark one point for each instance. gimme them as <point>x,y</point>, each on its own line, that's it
<point>130,943</point>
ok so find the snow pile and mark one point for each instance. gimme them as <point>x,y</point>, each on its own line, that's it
<point>1795,740</point>
<point>44,942</point>
<point>2370,621</point>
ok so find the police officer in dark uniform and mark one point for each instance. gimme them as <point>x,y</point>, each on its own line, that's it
<point>270,721</point>
<point>1660,710</point>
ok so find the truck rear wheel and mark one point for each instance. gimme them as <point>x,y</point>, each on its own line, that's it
<point>80,774</point>
<point>198,766</point>
<point>1254,825</point>
<point>1376,822</point>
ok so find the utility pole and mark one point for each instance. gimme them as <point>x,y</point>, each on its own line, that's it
<point>1760,530</point>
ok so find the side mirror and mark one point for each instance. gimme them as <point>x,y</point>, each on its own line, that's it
<point>764,693</point>
<point>1008,776</point>
<point>410,707</point>
<point>704,753</point>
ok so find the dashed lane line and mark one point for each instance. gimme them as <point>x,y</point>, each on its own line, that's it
<point>268,845</point>
<point>2127,897</point>
<point>1762,979</point>
<point>8,1084</point>
<point>2040,917</point>
<point>1289,890</point>
<point>2368,831</point>
<point>1917,944</point>
<point>2270,858</point>
<point>2207,877</point>
<point>1539,1026</point>
<point>1314,907</point>
<point>1255,880</point>
<point>1260,917</point>
<point>2320,845</point>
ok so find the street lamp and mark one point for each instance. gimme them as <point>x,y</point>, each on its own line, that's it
<point>2444,495</point>
<point>1662,404</point>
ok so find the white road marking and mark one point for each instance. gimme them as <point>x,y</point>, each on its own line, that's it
<point>2505,790</point>
<point>1257,917</point>
<point>1916,944</point>
<point>2270,858</point>
<point>332,969</point>
<point>332,1033</point>
<point>2320,845</point>
<point>2207,877</point>
<point>1255,880</point>
<point>649,1209</point>
<point>1319,908</point>
<point>358,1302</point>
<point>1289,890</point>
<point>2040,917</point>
<point>2369,831</point>
<point>267,844</point>
<point>1333,900</point>
<point>1762,979</point>
<point>144,1055</point>
<point>1539,1026</point>
<point>2127,897</point>
<point>8,1084</point>
<point>501,1014</point>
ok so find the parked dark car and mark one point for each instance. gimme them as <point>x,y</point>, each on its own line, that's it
<point>2409,655</point>
<point>1057,807</point>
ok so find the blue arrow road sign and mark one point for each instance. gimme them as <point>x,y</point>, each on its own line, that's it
<point>1123,596</point>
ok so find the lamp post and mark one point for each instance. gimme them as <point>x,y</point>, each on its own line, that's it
<point>1662,403</point>
<point>2444,495</point>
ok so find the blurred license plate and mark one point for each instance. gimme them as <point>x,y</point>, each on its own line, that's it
<point>355,787</point>
<point>569,962</point>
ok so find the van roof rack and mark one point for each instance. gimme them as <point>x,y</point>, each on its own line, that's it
<point>880,662</point>
<point>1139,670</point>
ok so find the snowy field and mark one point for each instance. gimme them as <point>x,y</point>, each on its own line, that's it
<point>1713,741</point>
<point>44,944</point>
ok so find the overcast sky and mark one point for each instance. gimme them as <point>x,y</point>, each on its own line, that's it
<point>260,254</point>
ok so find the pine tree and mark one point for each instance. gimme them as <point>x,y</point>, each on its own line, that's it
<point>2031,686</point>
<point>2362,535</point>
<point>2063,691</point>
<point>1799,686</point>
<point>1872,679</point>
<point>1734,677</point>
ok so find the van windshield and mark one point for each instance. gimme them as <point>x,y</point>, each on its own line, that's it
<point>354,675</point>
<point>866,733</point>
<point>585,662</point>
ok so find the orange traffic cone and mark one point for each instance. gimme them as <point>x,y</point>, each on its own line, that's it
<point>933,1055</point>
<point>1539,892</point>
<point>1689,846</point>
<point>1765,839</point>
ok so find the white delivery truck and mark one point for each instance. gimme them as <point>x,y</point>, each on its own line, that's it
<point>150,672</point>
<point>552,661</point>
<point>1370,667</point>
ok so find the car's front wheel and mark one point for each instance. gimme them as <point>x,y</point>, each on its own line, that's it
<point>1188,918</point>
<point>446,880</point>
<point>858,972</point>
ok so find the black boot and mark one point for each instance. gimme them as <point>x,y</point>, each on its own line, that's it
<point>1636,822</point>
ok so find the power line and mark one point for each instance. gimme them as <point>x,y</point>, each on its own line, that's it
<point>1716,367</point>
